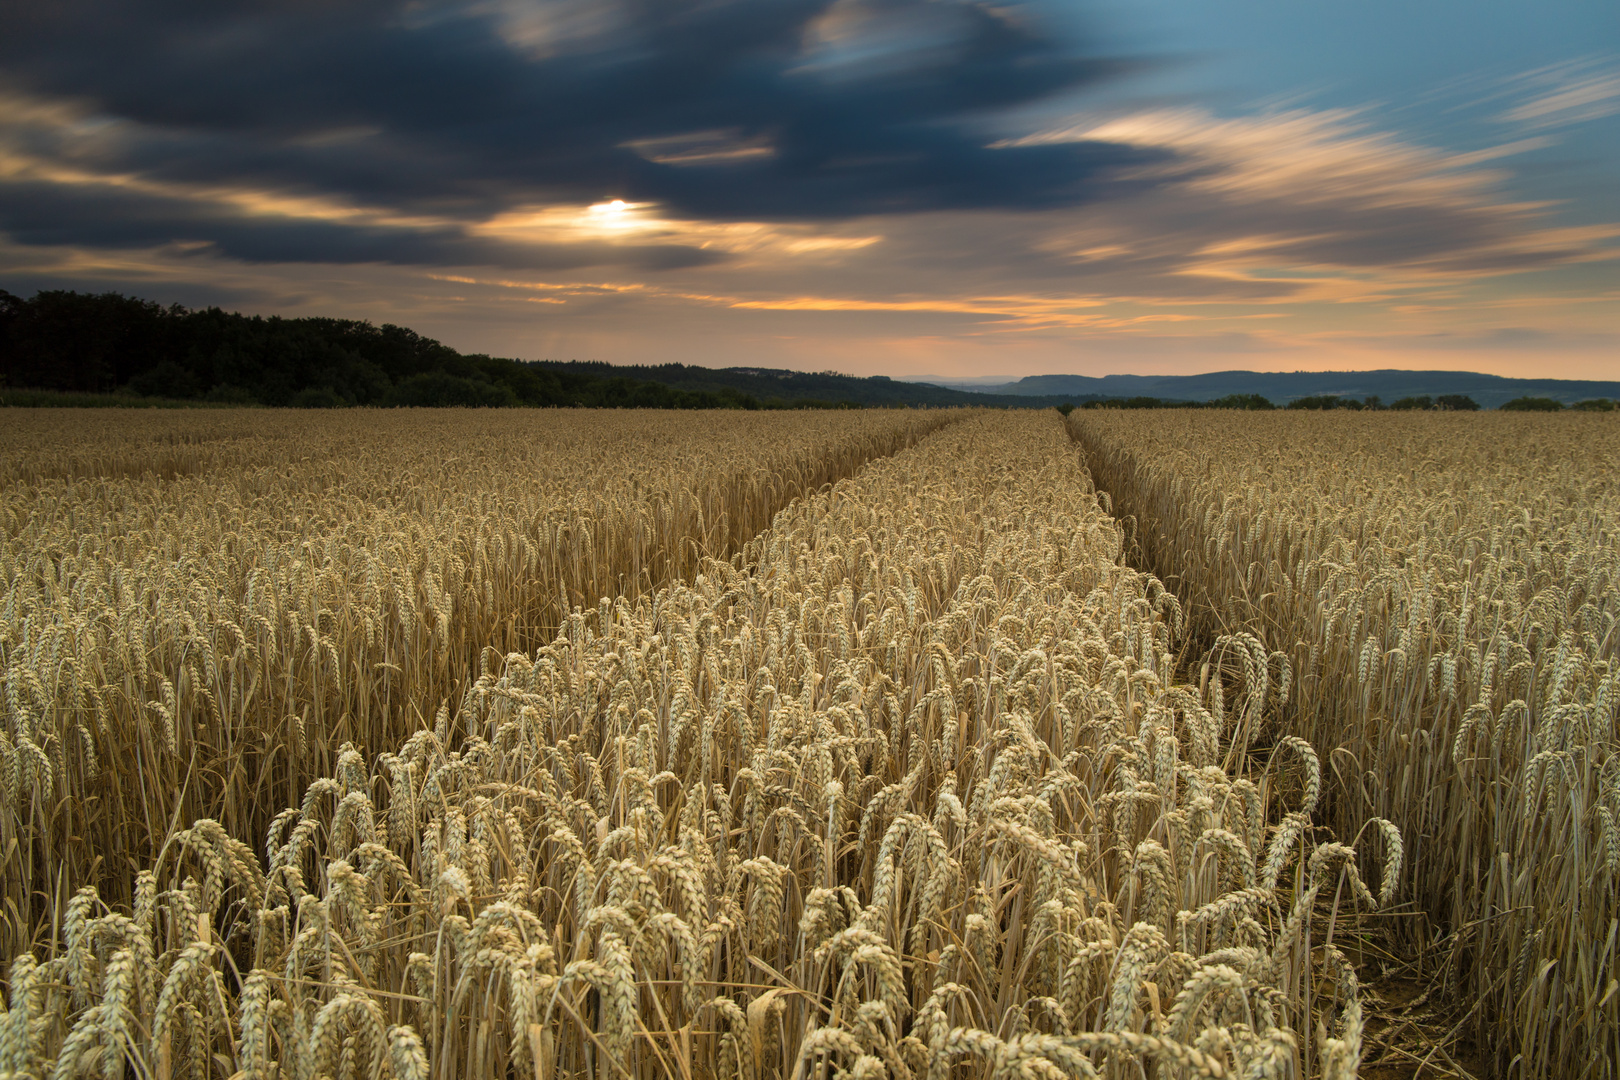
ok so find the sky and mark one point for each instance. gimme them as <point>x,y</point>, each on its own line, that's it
<point>949,188</point>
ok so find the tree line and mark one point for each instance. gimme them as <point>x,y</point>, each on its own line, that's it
<point>1440,403</point>
<point>1445,402</point>
<point>110,344</point>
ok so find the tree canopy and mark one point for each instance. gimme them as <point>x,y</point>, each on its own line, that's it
<point>109,343</point>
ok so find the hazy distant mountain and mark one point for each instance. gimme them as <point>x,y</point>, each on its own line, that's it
<point>1284,386</point>
<point>958,382</point>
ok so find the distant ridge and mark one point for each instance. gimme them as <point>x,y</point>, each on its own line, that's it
<point>1281,387</point>
<point>781,384</point>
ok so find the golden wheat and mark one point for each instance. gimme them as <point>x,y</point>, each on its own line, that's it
<point>912,787</point>
<point>199,609</point>
<point>1447,588</point>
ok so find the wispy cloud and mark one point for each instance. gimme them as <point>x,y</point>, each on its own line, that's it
<point>1321,200</point>
<point>1562,95</point>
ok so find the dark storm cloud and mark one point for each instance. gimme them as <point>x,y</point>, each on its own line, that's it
<point>465,109</point>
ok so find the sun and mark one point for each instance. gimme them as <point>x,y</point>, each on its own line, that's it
<point>613,214</point>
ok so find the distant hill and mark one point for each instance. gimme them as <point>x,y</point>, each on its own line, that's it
<point>824,387</point>
<point>1491,391</point>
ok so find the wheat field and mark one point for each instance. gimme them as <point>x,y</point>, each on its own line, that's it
<point>901,771</point>
<point>200,610</point>
<point>1447,588</point>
